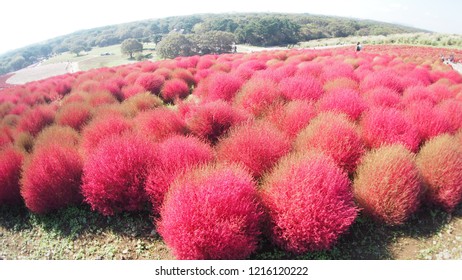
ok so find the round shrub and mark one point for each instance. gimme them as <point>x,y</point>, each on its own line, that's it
<point>10,173</point>
<point>345,101</point>
<point>301,87</point>
<point>387,185</point>
<point>150,82</point>
<point>212,120</point>
<point>176,155</point>
<point>257,95</point>
<point>382,97</point>
<point>160,123</point>
<point>212,212</point>
<point>174,89</point>
<point>102,128</point>
<point>380,126</point>
<point>34,120</point>
<point>75,115</point>
<point>115,174</point>
<point>57,135</point>
<point>440,164</point>
<point>223,86</point>
<point>292,117</point>
<point>256,145</point>
<point>309,202</point>
<point>334,135</point>
<point>429,120</point>
<point>52,178</point>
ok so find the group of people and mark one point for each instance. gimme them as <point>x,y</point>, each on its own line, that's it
<point>449,59</point>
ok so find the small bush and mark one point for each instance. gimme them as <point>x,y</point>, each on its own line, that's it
<point>429,120</point>
<point>75,115</point>
<point>223,86</point>
<point>57,135</point>
<point>34,120</point>
<point>102,128</point>
<point>174,89</point>
<point>52,178</point>
<point>212,120</point>
<point>150,82</point>
<point>115,174</point>
<point>257,95</point>
<point>258,146</point>
<point>440,164</point>
<point>380,126</point>
<point>176,155</point>
<point>160,123</point>
<point>309,202</point>
<point>382,97</point>
<point>10,173</point>
<point>301,87</point>
<point>334,135</point>
<point>212,212</point>
<point>387,185</point>
<point>345,101</point>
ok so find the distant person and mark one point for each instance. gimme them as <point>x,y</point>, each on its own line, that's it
<point>358,47</point>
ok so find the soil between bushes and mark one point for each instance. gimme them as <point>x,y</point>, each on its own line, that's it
<point>78,233</point>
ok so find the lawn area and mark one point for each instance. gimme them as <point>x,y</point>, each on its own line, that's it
<point>94,58</point>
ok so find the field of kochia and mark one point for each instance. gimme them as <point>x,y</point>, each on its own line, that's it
<point>229,151</point>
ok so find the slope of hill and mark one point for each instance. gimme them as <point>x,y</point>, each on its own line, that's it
<point>256,29</point>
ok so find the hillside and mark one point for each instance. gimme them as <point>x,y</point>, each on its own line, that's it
<point>255,29</point>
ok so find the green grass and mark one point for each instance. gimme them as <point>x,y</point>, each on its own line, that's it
<point>93,59</point>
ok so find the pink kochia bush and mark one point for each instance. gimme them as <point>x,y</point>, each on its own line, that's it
<point>160,123</point>
<point>440,164</point>
<point>301,87</point>
<point>336,136</point>
<point>212,212</point>
<point>176,155</point>
<point>10,173</point>
<point>257,95</point>
<point>102,128</point>
<point>381,125</point>
<point>256,145</point>
<point>52,178</point>
<point>212,120</point>
<point>309,202</point>
<point>345,101</point>
<point>174,89</point>
<point>115,174</point>
<point>387,185</point>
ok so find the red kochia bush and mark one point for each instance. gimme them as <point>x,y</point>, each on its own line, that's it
<point>258,146</point>
<point>382,96</point>
<point>382,125</point>
<point>301,87</point>
<point>75,115</point>
<point>150,82</point>
<point>334,135</point>
<point>429,120</point>
<point>345,101</point>
<point>212,120</point>
<point>440,164</point>
<point>257,94</point>
<point>176,155</point>
<point>160,123</point>
<point>212,212</point>
<point>51,179</point>
<point>36,119</point>
<point>309,202</point>
<point>292,117</point>
<point>101,128</point>
<point>222,86</point>
<point>387,185</point>
<point>115,174</point>
<point>10,173</point>
<point>174,89</point>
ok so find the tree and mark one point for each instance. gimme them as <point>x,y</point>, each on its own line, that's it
<point>131,46</point>
<point>175,45</point>
<point>214,42</point>
<point>76,48</point>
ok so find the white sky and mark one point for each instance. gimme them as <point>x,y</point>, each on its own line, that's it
<point>23,22</point>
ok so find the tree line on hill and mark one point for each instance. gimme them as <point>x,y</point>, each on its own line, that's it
<point>254,29</point>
